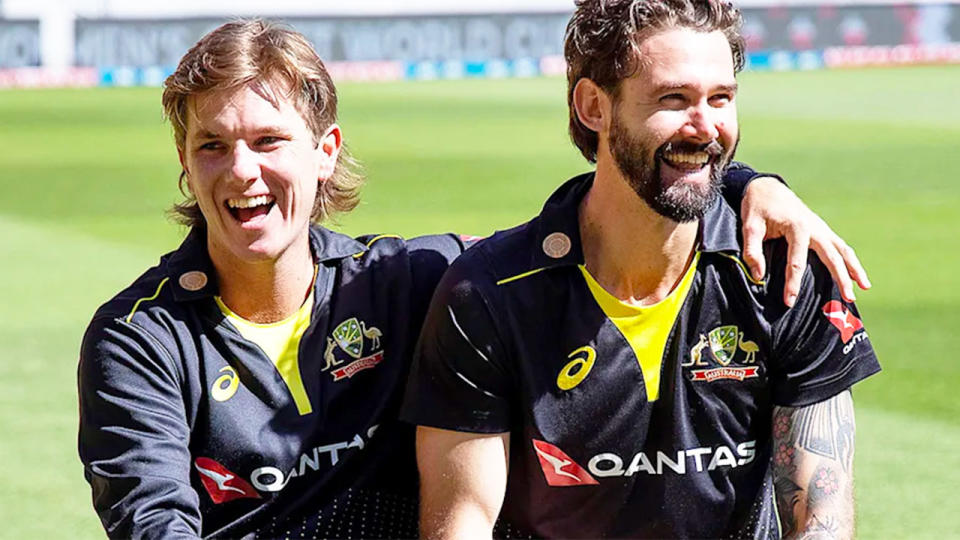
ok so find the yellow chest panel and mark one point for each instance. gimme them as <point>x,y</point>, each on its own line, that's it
<point>280,341</point>
<point>646,328</point>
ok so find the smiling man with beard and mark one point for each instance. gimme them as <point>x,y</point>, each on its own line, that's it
<point>611,368</point>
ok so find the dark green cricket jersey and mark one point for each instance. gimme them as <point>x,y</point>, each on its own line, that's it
<point>515,341</point>
<point>188,429</point>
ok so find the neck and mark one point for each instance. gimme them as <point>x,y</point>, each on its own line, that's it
<point>634,253</point>
<point>265,291</point>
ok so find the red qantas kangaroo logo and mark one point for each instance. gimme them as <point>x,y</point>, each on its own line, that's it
<point>558,468</point>
<point>221,484</point>
<point>842,318</point>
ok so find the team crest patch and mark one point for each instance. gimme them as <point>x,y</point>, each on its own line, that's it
<point>717,350</point>
<point>349,337</point>
<point>723,343</point>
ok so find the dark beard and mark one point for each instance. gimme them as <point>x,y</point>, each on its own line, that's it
<point>680,202</point>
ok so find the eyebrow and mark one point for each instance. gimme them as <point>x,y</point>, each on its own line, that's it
<point>668,86</point>
<point>205,134</point>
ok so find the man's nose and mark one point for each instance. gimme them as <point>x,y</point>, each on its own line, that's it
<point>246,164</point>
<point>701,123</point>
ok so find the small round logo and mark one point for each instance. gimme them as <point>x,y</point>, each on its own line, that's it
<point>556,245</point>
<point>193,281</point>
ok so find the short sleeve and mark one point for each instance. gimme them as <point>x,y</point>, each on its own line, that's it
<point>821,346</point>
<point>459,380</point>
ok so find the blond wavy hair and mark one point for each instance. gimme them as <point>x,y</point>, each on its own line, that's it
<point>272,58</point>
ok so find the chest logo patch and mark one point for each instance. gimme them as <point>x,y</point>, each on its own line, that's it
<point>577,369</point>
<point>559,469</point>
<point>349,336</point>
<point>718,349</point>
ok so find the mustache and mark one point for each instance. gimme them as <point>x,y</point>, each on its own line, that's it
<point>712,148</point>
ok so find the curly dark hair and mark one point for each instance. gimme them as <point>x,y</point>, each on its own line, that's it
<point>603,38</point>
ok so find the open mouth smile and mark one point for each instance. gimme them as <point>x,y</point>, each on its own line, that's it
<point>246,209</point>
<point>690,158</point>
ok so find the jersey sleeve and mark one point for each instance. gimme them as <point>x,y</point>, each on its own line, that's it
<point>134,435</point>
<point>459,380</point>
<point>735,181</point>
<point>820,345</point>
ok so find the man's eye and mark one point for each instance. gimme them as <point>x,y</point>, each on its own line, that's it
<point>212,145</point>
<point>268,140</point>
<point>720,100</point>
<point>673,100</point>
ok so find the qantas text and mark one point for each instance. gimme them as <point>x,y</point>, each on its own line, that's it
<point>273,479</point>
<point>681,462</point>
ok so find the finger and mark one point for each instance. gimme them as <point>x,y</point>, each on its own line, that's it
<point>835,263</point>
<point>754,230</point>
<point>857,272</point>
<point>797,247</point>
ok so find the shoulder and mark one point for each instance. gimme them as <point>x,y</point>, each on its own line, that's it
<point>492,260</point>
<point>816,276</point>
<point>150,292</point>
<point>376,247</point>
<point>151,316</point>
<point>420,260</point>
<point>134,333</point>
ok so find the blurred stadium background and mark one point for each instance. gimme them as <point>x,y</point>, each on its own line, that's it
<point>856,104</point>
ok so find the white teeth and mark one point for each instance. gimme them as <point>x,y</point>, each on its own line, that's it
<point>250,202</point>
<point>697,158</point>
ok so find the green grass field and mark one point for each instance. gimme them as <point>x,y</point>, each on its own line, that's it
<point>87,175</point>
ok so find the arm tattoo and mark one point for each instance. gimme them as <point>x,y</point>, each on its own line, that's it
<point>813,468</point>
<point>826,429</point>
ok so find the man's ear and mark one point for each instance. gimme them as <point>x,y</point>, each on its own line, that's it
<point>183,166</point>
<point>329,148</point>
<point>592,105</point>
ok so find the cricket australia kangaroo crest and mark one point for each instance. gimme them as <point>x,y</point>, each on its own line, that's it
<point>349,337</point>
<point>720,346</point>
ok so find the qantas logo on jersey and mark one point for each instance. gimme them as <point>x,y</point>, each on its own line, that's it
<point>681,462</point>
<point>221,484</point>
<point>349,336</point>
<point>846,322</point>
<point>558,468</point>
<point>718,349</point>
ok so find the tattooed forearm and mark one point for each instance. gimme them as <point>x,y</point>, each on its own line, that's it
<point>813,468</point>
